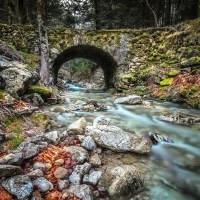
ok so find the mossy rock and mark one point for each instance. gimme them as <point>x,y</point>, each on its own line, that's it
<point>40,120</point>
<point>166,81</point>
<point>174,73</point>
<point>43,91</point>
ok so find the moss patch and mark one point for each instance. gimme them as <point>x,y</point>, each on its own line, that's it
<point>43,91</point>
<point>15,142</point>
<point>166,82</point>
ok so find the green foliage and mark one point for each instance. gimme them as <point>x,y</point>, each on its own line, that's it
<point>15,142</point>
<point>81,66</point>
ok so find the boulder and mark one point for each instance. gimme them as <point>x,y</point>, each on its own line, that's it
<point>123,181</point>
<point>118,140</point>
<point>20,186</point>
<point>130,100</point>
<point>77,127</point>
<point>18,79</point>
<point>10,170</point>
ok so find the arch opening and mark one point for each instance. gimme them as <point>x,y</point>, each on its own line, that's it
<point>94,54</point>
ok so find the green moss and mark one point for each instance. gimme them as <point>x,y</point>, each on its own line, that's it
<point>166,82</point>
<point>128,78</point>
<point>2,94</point>
<point>12,124</point>
<point>31,60</point>
<point>174,73</point>
<point>43,91</point>
<point>40,120</point>
<point>15,142</point>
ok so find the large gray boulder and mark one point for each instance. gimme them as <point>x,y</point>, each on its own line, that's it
<point>17,79</point>
<point>118,140</point>
<point>20,186</point>
<point>123,181</point>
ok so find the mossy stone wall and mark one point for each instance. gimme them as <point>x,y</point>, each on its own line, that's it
<point>139,54</point>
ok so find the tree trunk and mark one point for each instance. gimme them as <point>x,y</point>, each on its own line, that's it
<point>28,17</point>
<point>168,13</point>
<point>9,11</point>
<point>16,6</point>
<point>154,14</point>
<point>97,14</point>
<point>44,48</point>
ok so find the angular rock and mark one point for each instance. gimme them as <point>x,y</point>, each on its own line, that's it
<point>79,153</point>
<point>12,159</point>
<point>83,192</point>
<point>39,165</point>
<point>95,160</point>
<point>123,181</point>
<point>28,149</point>
<point>75,178</point>
<point>92,178</point>
<point>118,140</point>
<point>35,173</point>
<point>130,100</point>
<point>52,137</point>
<point>10,170</point>
<point>88,143</point>
<point>43,184</point>
<point>63,184</point>
<point>20,186</point>
<point>77,127</point>
<point>82,169</point>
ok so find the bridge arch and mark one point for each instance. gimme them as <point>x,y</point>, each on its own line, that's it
<point>95,54</point>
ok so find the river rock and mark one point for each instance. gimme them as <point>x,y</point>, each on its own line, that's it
<point>75,178</point>
<point>20,186</point>
<point>83,192</point>
<point>43,184</point>
<point>17,79</point>
<point>82,169</point>
<point>28,149</point>
<point>63,184</point>
<point>123,181</point>
<point>52,137</point>
<point>92,178</point>
<point>39,165</point>
<point>79,153</point>
<point>95,160</point>
<point>77,127</point>
<point>101,120</point>
<point>35,99</point>
<point>130,100</point>
<point>10,170</point>
<point>118,140</point>
<point>35,173</point>
<point>12,159</point>
<point>61,173</point>
<point>88,143</point>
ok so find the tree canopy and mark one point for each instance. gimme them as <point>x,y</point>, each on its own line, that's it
<point>102,14</point>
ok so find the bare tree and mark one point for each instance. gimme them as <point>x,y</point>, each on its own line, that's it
<point>154,14</point>
<point>44,47</point>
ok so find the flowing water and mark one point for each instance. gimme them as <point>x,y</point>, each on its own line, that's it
<point>174,168</point>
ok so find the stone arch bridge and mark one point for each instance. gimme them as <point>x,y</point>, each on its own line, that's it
<point>127,57</point>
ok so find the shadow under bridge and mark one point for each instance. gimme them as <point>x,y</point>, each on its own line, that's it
<point>94,54</point>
